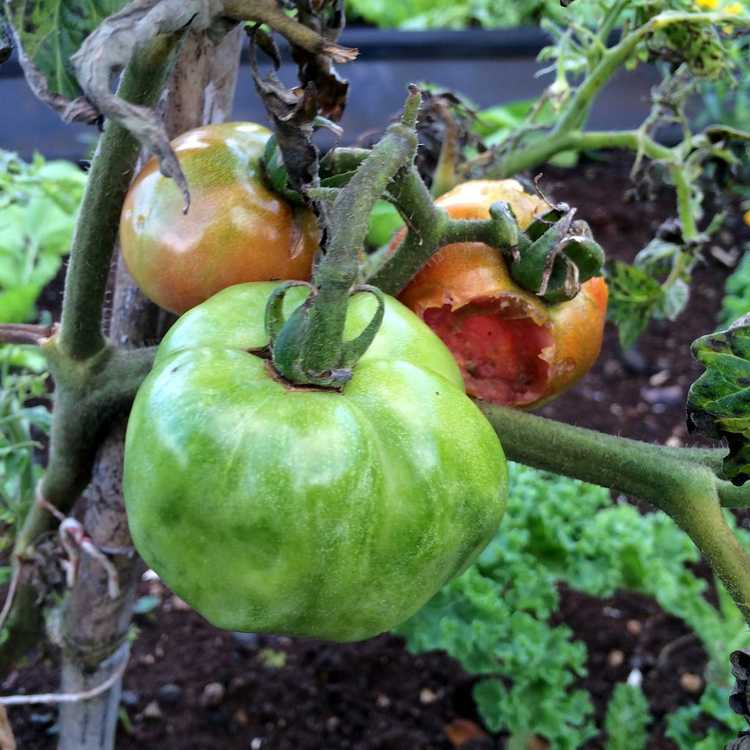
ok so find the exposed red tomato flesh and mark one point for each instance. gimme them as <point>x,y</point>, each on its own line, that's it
<point>501,353</point>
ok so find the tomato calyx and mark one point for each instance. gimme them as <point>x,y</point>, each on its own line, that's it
<point>294,338</point>
<point>555,256</point>
<point>309,347</point>
<point>276,175</point>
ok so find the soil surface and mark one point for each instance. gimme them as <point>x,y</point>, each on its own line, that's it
<point>191,687</point>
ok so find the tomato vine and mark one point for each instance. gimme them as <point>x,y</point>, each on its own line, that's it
<point>96,379</point>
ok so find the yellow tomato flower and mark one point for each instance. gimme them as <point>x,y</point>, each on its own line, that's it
<point>707,4</point>
<point>746,217</point>
<point>734,9</point>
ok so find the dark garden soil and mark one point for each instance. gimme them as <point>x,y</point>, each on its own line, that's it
<point>191,687</point>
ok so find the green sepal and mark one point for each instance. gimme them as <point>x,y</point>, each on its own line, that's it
<point>275,173</point>
<point>505,225</point>
<point>289,337</point>
<point>274,308</point>
<point>553,261</point>
<point>555,256</point>
<point>337,180</point>
<point>351,351</point>
<point>719,401</point>
<point>288,344</point>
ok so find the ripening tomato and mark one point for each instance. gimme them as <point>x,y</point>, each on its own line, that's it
<point>512,347</point>
<point>236,230</point>
<point>302,510</point>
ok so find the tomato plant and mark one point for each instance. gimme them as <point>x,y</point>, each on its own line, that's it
<point>512,347</point>
<point>307,511</point>
<point>313,466</point>
<point>236,229</point>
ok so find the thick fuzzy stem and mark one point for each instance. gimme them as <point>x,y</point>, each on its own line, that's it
<point>91,381</point>
<point>428,225</point>
<point>96,623</point>
<point>541,151</point>
<point>309,348</point>
<point>98,221</point>
<point>680,483</point>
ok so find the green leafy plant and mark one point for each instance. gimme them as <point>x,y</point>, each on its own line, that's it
<point>627,719</point>
<point>458,14</point>
<point>494,619</point>
<point>21,424</point>
<point>736,302</point>
<point>699,49</point>
<point>712,706</point>
<point>38,203</point>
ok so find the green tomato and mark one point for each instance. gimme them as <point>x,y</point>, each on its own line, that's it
<point>304,511</point>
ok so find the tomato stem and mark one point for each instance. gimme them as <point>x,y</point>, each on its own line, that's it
<point>99,218</point>
<point>680,482</point>
<point>93,381</point>
<point>310,348</point>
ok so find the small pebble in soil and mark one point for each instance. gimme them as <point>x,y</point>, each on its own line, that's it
<point>670,395</point>
<point>237,683</point>
<point>10,680</point>
<point>634,627</point>
<point>332,723</point>
<point>212,695</point>
<point>240,717</point>
<point>129,698</point>
<point>615,658</point>
<point>170,694</point>
<point>691,683</point>
<point>383,701</point>
<point>427,696</point>
<point>659,379</point>
<point>152,711</point>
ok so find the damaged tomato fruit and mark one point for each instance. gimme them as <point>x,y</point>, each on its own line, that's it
<point>309,511</point>
<point>512,347</point>
<point>236,229</point>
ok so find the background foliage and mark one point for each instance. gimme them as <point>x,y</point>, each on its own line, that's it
<point>39,203</point>
<point>495,618</point>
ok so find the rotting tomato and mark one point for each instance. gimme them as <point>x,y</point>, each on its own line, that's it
<point>308,511</point>
<point>236,230</point>
<point>512,347</point>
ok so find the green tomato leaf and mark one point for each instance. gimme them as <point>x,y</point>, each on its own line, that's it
<point>17,304</point>
<point>675,300</point>
<point>719,401</point>
<point>634,296</point>
<point>49,32</point>
<point>627,718</point>
<point>736,301</point>
<point>23,357</point>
